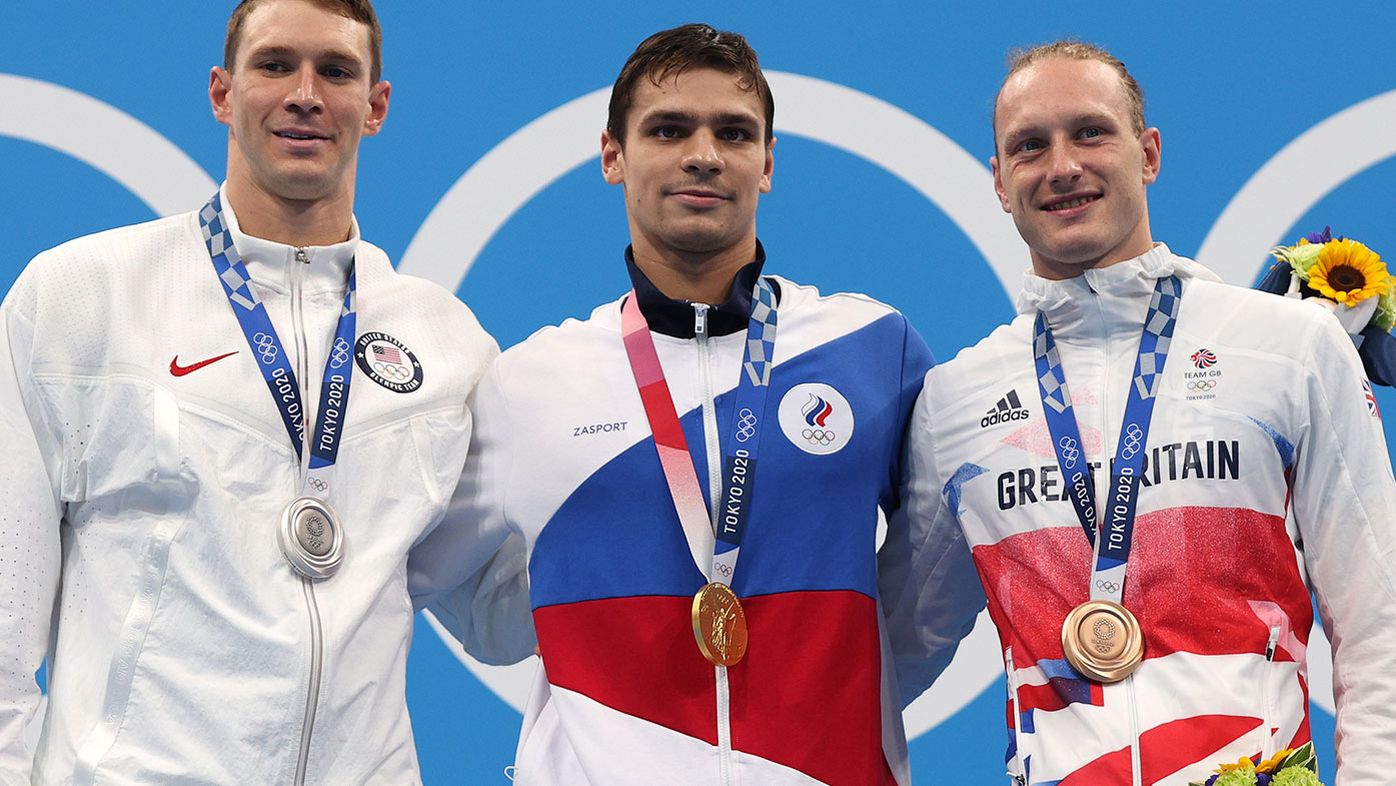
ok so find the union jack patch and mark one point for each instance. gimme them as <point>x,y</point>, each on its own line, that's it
<point>1372,408</point>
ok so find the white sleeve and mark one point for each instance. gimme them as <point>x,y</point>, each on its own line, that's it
<point>927,581</point>
<point>1344,502</point>
<point>472,570</point>
<point>30,556</point>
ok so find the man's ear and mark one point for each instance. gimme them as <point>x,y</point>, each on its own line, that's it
<point>770,167</point>
<point>1153,154</point>
<point>378,96</point>
<point>220,84</point>
<point>612,159</point>
<point>998,184</point>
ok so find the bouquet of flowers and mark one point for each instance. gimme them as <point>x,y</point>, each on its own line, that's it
<point>1296,767</point>
<point>1352,281</point>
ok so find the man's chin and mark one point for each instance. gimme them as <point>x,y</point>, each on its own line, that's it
<point>299,185</point>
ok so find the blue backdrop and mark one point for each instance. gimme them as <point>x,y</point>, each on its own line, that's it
<point>1274,121</point>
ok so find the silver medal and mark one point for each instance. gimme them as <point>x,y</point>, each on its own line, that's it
<point>312,538</point>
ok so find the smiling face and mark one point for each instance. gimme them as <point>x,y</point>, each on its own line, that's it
<point>1071,169</point>
<point>694,161</point>
<point>297,102</point>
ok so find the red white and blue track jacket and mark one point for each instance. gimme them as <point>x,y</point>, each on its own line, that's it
<point>1266,476</point>
<point>563,458</point>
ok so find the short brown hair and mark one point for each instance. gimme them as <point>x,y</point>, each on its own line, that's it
<point>358,10</point>
<point>671,52</point>
<point>1020,59</point>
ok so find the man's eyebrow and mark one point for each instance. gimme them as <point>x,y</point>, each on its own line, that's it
<point>676,116</point>
<point>669,116</point>
<point>338,55</point>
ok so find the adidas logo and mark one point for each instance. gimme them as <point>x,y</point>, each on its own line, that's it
<point>1008,408</point>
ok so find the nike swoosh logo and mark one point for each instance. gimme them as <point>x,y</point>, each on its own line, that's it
<point>180,371</point>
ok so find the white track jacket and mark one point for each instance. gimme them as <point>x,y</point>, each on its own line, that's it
<point>142,493</point>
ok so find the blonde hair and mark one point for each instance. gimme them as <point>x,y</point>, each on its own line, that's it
<point>1019,59</point>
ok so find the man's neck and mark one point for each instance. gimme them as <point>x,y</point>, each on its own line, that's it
<point>319,222</point>
<point>697,278</point>
<point>1054,270</point>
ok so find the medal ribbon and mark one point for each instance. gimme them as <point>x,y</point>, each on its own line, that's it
<point>739,458</point>
<point>1112,550</point>
<point>272,357</point>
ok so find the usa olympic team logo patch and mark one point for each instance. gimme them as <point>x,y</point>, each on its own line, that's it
<point>388,362</point>
<point>816,418</point>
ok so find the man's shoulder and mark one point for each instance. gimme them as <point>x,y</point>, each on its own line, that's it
<point>805,298</point>
<point>574,339</point>
<point>1006,351</point>
<point>1248,317</point>
<point>99,264</point>
<point>124,244</point>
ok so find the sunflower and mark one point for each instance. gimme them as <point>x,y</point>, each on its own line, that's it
<point>1349,272</point>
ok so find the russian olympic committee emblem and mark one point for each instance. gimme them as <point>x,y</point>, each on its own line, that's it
<point>388,362</point>
<point>816,418</point>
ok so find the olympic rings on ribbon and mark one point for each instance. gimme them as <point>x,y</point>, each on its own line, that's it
<point>1108,586</point>
<point>266,348</point>
<point>339,355</point>
<point>1070,452</point>
<point>1133,435</point>
<point>746,425</point>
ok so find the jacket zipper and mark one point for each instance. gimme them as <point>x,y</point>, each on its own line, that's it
<point>1019,777</point>
<point>312,698</point>
<point>711,442</point>
<point>1267,739</point>
<point>1107,456</point>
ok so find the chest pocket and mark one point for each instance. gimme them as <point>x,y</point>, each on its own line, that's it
<point>114,435</point>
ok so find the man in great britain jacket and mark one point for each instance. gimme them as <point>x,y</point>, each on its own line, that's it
<point>218,584</point>
<point>614,447</point>
<point>1224,442</point>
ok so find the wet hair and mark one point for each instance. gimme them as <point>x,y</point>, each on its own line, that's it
<point>358,10</point>
<point>1020,59</point>
<point>671,52</point>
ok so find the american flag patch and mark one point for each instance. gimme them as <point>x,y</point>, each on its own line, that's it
<point>1372,408</point>
<point>387,354</point>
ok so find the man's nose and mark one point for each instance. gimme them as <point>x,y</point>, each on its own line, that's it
<point>305,95</point>
<point>1064,163</point>
<point>701,155</point>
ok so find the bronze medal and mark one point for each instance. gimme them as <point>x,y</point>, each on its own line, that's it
<point>1103,641</point>
<point>719,624</point>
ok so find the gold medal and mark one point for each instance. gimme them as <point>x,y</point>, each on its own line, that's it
<point>1102,640</point>
<point>719,624</point>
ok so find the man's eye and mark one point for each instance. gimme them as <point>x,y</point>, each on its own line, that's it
<point>335,72</point>
<point>666,132</point>
<point>1030,146</point>
<point>734,135</point>
<point>275,67</point>
<point>1091,132</point>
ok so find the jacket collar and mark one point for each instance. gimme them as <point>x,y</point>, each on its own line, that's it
<point>269,263</point>
<point>674,318</point>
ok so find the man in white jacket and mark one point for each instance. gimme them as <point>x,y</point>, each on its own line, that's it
<point>1223,442</point>
<point>223,433</point>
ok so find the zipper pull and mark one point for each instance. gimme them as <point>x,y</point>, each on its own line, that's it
<point>301,256</point>
<point>700,320</point>
<point>1272,644</point>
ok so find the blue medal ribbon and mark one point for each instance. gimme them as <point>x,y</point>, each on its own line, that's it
<point>272,357</point>
<point>748,417</point>
<point>1112,549</point>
